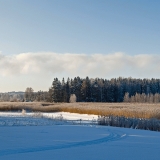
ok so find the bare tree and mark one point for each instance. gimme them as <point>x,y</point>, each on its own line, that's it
<point>156,98</point>
<point>132,99</point>
<point>142,98</point>
<point>73,98</point>
<point>151,98</point>
<point>126,97</point>
<point>29,94</point>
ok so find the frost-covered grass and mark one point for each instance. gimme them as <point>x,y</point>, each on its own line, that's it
<point>135,123</point>
<point>39,118</point>
<point>132,110</point>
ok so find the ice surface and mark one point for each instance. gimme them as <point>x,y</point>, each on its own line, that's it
<point>74,142</point>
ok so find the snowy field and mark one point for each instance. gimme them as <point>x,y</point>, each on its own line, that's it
<point>27,137</point>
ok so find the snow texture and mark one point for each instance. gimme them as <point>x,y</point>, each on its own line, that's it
<point>66,141</point>
<point>65,115</point>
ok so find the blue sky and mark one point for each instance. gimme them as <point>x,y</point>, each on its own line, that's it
<point>38,28</point>
<point>85,26</point>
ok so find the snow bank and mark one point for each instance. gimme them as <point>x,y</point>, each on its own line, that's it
<point>64,115</point>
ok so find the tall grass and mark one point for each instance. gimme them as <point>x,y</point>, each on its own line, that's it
<point>132,110</point>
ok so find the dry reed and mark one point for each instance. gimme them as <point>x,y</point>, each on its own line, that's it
<point>132,110</point>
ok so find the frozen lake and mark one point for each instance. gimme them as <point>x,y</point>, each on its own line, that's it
<point>70,142</point>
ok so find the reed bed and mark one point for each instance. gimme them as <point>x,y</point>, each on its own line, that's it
<point>130,110</point>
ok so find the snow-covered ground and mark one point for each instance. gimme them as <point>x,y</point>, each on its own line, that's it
<point>74,142</point>
<point>64,115</point>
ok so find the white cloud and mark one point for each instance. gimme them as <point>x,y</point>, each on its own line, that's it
<point>94,65</point>
<point>31,67</point>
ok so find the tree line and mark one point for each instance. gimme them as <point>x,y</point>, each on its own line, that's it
<point>103,90</point>
<point>11,97</point>
<point>28,96</point>
<point>40,96</point>
<point>93,90</point>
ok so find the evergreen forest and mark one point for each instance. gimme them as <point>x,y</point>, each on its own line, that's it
<point>103,90</point>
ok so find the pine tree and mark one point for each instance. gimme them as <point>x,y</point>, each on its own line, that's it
<point>57,91</point>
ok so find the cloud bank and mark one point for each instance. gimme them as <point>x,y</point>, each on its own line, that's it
<point>71,65</point>
<point>94,65</point>
<point>37,70</point>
